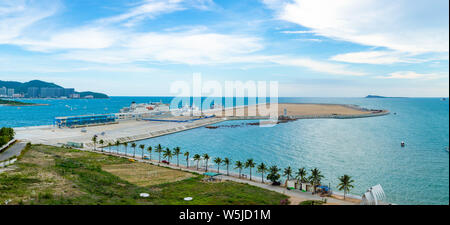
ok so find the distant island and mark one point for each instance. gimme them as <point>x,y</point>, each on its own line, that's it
<point>42,89</point>
<point>16,103</point>
<point>375,96</point>
<point>379,96</point>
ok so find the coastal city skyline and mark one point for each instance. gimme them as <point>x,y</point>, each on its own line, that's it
<point>138,48</point>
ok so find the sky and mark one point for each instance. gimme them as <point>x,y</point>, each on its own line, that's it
<point>313,48</point>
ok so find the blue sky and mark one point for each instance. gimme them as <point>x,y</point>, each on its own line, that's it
<point>317,48</point>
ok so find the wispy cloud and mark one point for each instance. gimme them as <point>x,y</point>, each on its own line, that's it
<point>297,32</point>
<point>413,75</point>
<point>396,26</point>
<point>18,15</point>
<point>150,9</point>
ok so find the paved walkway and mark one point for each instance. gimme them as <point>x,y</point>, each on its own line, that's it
<point>234,177</point>
<point>13,150</point>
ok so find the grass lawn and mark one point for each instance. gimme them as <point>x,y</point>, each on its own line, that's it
<point>51,175</point>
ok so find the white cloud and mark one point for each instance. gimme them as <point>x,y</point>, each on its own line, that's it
<point>414,75</point>
<point>149,9</point>
<point>319,66</point>
<point>18,15</point>
<point>375,57</point>
<point>297,32</point>
<point>417,27</point>
<point>80,38</point>
<point>177,47</point>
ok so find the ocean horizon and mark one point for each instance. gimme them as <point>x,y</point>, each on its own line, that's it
<point>368,149</point>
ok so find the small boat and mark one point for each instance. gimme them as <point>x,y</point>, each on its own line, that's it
<point>402,144</point>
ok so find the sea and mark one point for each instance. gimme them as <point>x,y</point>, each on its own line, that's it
<point>367,149</point>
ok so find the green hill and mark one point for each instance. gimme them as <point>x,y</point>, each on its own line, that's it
<point>23,87</point>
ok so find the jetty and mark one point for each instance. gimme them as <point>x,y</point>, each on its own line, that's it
<point>139,128</point>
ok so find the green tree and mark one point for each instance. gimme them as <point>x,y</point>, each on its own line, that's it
<point>315,178</point>
<point>94,140</point>
<point>250,164</point>
<point>218,161</point>
<point>142,147</point>
<point>239,165</point>
<point>197,158</point>
<point>227,162</point>
<point>273,175</point>
<point>187,159</point>
<point>262,168</point>
<point>177,152</point>
<point>287,173</point>
<point>206,157</point>
<point>301,176</point>
<point>133,145</point>
<point>126,147</point>
<point>345,184</point>
<point>149,150</point>
<point>159,149</point>
<point>168,154</point>
<point>118,146</point>
<point>110,147</point>
<point>101,142</point>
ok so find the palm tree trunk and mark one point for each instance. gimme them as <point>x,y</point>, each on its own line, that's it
<point>250,173</point>
<point>227,171</point>
<point>262,177</point>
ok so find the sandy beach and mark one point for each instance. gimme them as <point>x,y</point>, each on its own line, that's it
<point>294,110</point>
<point>133,130</point>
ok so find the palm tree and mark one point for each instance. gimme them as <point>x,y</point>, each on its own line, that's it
<point>227,162</point>
<point>133,145</point>
<point>239,166</point>
<point>218,161</point>
<point>287,173</point>
<point>177,152</point>
<point>346,184</point>
<point>101,142</point>
<point>168,154</point>
<point>126,147</point>
<point>315,178</point>
<point>142,147</point>
<point>273,175</point>
<point>159,149</point>
<point>187,159</point>
<point>262,168</point>
<point>94,139</point>
<point>301,176</point>
<point>109,147</point>
<point>118,146</point>
<point>197,158</point>
<point>250,164</point>
<point>206,157</point>
<point>149,150</point>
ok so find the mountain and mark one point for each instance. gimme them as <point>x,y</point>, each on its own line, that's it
<point>23,87</point>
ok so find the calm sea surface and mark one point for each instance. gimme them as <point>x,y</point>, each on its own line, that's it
<point>368,149</point>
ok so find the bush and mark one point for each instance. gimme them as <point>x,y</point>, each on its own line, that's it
<point>312,202</point>
<point>6,135</point>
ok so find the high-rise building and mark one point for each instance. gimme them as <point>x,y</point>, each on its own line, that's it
<point>33,92</point>
<point>68,92</point>
<point>3,92</point>
<point>10,92</point>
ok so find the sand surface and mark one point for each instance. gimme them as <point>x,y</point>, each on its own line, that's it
<point>291,110</point>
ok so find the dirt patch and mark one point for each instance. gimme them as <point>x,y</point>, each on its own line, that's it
<point>144,175</point>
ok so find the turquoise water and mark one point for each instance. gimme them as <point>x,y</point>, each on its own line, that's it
<point>368,149</point>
